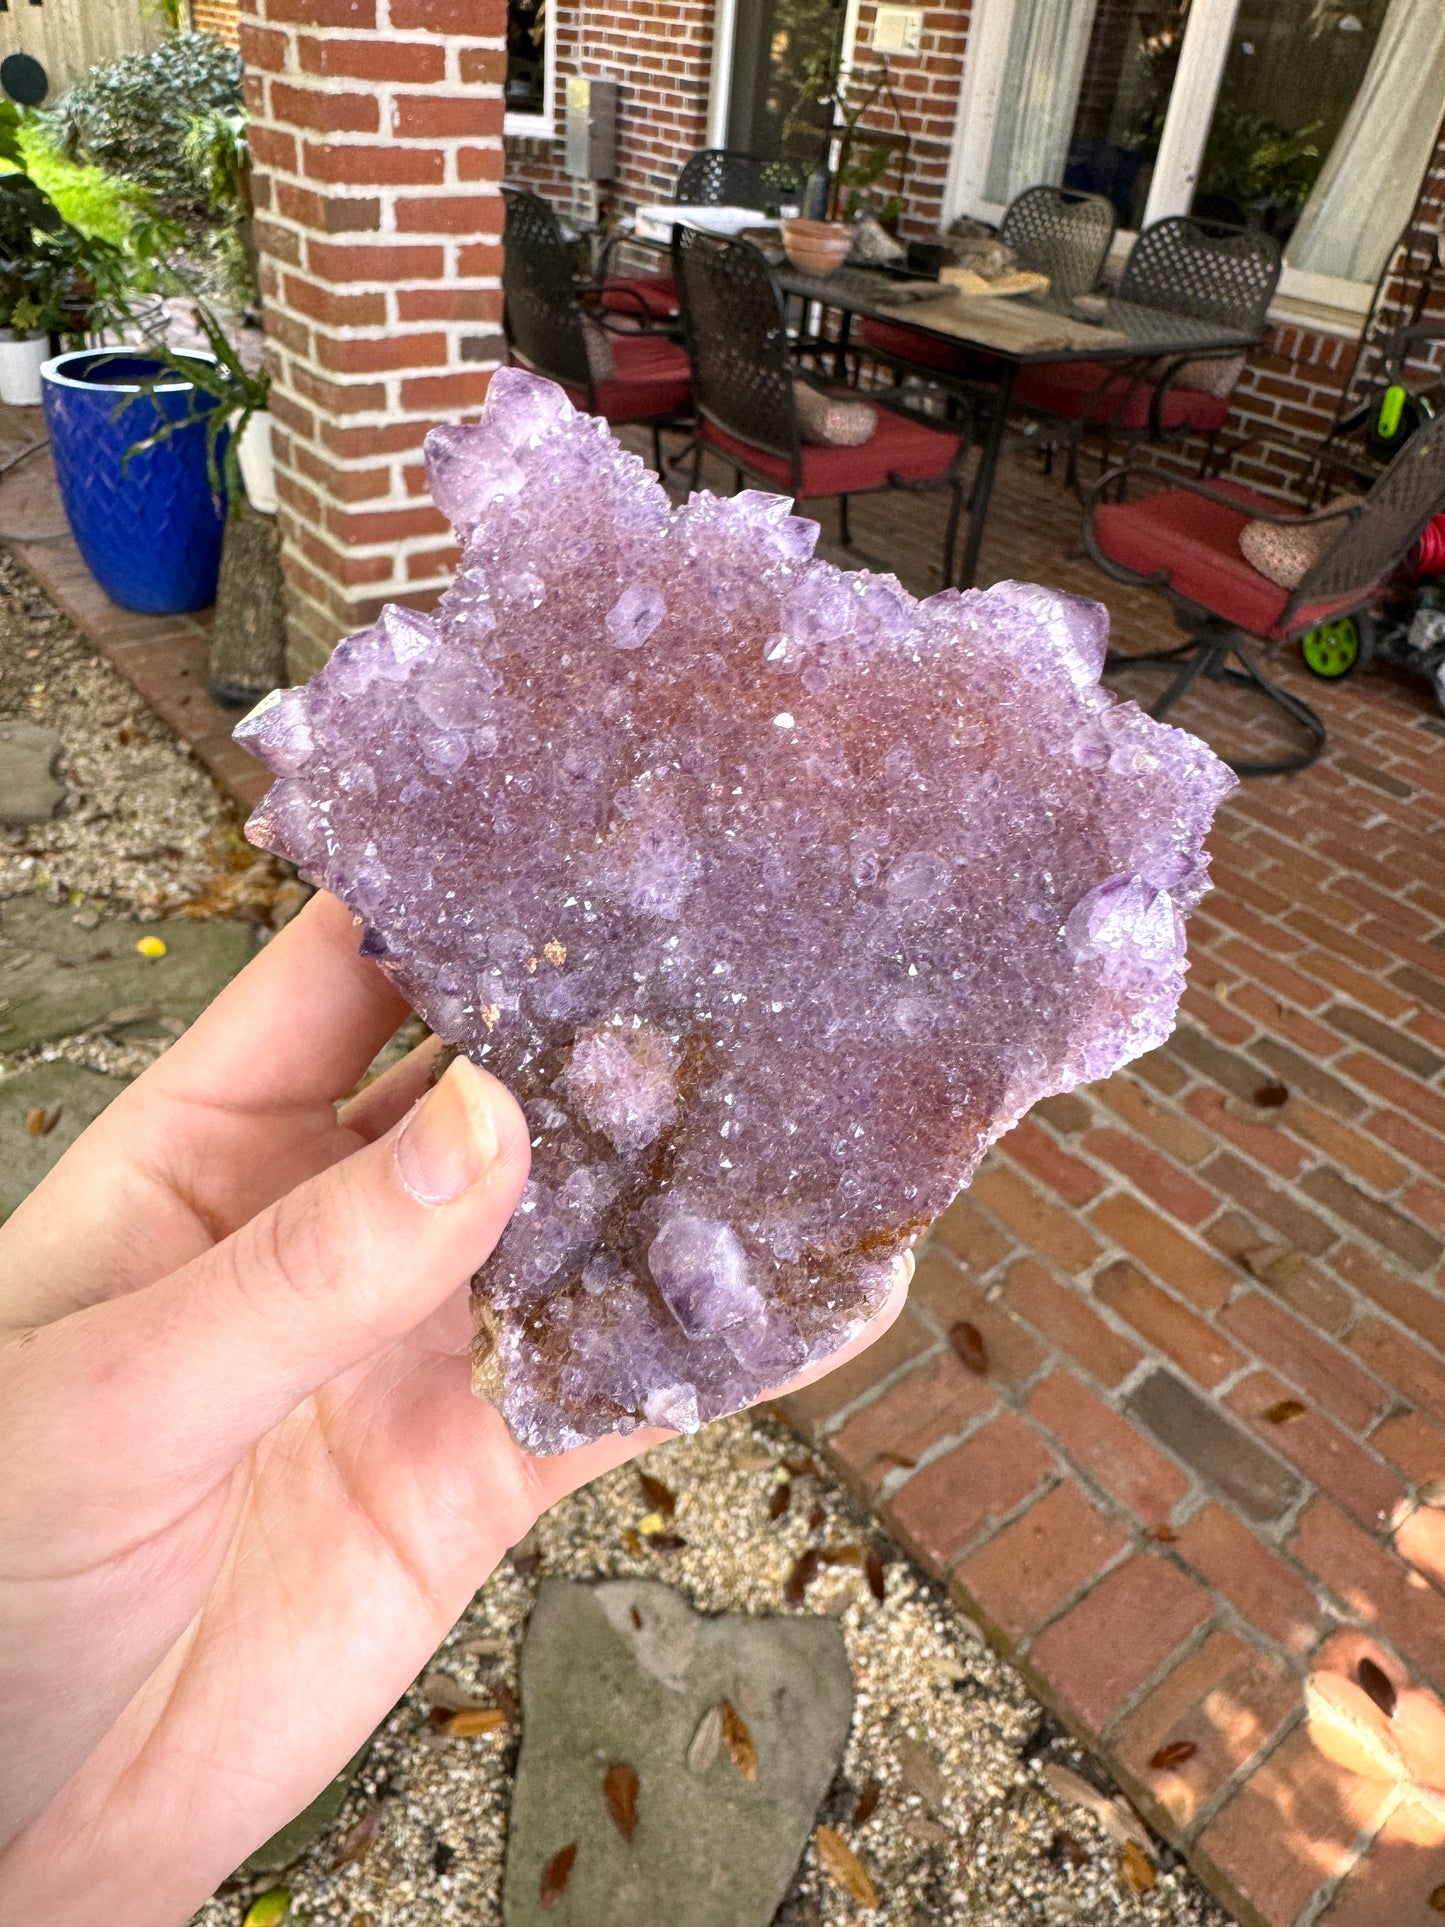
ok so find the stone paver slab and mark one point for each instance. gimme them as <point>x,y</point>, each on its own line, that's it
<point>77,1094</point>
<point>31,790</point>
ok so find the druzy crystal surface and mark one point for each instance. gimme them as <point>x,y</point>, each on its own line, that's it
<point>773,894</point>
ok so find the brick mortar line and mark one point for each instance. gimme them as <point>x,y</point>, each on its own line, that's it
<point>1324,1894</point>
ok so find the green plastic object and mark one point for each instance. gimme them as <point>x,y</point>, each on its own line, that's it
<point>1331,649</point>
<point>1392,408</point>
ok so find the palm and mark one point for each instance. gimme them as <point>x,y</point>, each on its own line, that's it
<point>261,1597</point>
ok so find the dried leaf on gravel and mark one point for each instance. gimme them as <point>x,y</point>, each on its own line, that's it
<point>39,1122</point>
<point>706,1742</point>
<point>475,1720</point>
<point>920,1772</point>
<point>1172,1755</point>
<point>802,1576</point>
<point>1284,1411</point>
<point>844,1868</point>
<point>867,1802</point>
<point>1113,1816</point>
<point>1066,1851</point>
<point>1137,1868</point>
<point>817,1518</point>
<point>664,1541</point>
<point>1378,1684</point>
<point>631,1541</point>
<point>660,1498</point>
<point>877,1583</point>
<point>780,1498</point>
<point>802,1468</point>
<point>846,1555</point>
<point>357,1841</point>
<point>738,1739</point>
<point>555,1875</point>
<point>440,1689</point>
<point>620,1789</point>
<point>967,1342</point>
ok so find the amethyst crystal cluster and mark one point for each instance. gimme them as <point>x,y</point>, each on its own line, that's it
<point>775,896</point>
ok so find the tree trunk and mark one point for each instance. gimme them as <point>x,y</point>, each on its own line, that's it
<point>248,644</point>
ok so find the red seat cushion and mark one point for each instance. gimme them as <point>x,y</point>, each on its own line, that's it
<point>899,445</point>
<point>1195,542</point>
<point>1089,390</point>
<point>656,294</point>
<point>650,378</point>
<point>914,344</point>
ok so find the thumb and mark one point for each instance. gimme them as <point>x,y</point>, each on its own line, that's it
<point>220,1351</point>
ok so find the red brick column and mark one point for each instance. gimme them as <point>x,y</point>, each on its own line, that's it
<point>376,138</point>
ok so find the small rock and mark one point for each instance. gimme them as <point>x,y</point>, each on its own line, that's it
<point>31,790</point>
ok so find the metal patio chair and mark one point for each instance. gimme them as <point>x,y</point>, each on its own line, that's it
<point>1184,539</point>
<point>624,377</point>
<point>744,390</point>
<point>1052,231</point>
<point>713,177</point>
<point>1205,270</point>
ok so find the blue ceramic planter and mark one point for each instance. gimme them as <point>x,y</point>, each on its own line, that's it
<point>150,530</point>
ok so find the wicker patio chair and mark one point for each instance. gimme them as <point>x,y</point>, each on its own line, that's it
<point>745,393</point>
<point>1203,269</point>
<point>1184,539</point>
<point>624,377</point>
<point>713,177</point>
<point>1052,231</point>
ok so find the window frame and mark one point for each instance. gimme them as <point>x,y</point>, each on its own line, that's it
<point>543,126</point>
<point>1202,58</point>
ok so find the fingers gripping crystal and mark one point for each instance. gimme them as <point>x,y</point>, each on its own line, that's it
<point>774,895</point>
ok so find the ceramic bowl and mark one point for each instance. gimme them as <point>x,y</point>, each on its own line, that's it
<point>817,247</point>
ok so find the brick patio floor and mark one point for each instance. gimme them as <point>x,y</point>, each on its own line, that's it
<point>1206,1455</point>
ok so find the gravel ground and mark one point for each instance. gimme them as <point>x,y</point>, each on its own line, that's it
<point>965,1830</point>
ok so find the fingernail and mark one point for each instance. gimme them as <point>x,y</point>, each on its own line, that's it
<point>450,1140</point>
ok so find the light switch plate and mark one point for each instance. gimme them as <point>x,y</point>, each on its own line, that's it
<point>897,30</point>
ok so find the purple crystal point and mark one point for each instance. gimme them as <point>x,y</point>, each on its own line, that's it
<point>773,894</point>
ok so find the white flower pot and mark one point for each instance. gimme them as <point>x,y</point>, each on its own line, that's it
<point>21,359</point>
<point>258,463</point>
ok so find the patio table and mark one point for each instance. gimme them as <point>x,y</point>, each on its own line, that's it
<point>1015,332</point>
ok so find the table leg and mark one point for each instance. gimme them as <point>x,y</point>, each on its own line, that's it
<point>840,359</point>
<point>983,481</point>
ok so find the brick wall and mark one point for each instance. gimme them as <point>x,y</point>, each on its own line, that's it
<point>220,17</point>
<point>376,142</point>
<point>926,87</point>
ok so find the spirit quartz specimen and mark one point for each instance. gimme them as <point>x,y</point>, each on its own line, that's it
<point>774,895</point>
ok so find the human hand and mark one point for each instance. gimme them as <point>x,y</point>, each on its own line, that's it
<point>241,1450</point>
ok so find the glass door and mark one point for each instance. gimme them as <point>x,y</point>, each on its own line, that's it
<point>785,55</point>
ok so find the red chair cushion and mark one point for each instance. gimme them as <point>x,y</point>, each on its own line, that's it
<point>899,445</point>
<point>1195,543</point>
<point>650,378</point>
<point>914,344</point>
<point>1087,389</point>
<point>657,294</point>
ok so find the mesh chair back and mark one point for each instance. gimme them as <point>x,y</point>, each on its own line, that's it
<point>732,323</point>
<point>728,177</point>
<point>542,315</point>
<point>1060,233</point>
<point>1376,540</point>
<point>1205,269</point>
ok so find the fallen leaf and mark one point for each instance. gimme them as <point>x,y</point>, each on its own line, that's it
<point>475,1720</point>
<point>1274,1267</point>
<point>847,1555</point>
<point>440,1689</point>
<point>526,1563</point>
<point>620,1789</point>
<point>801,1468</point>
<point>1378,1684</point>
<point>802,1576</point>
<point>844,1868</point>
<point>664,1542</point>
<point>780,1498</point>
<point>1161,1535</point>
<point>505,1701</point>
<point>928,1833</point>
<point>653,1523</point>
<point>920,1772</point>
<point>1270,1096</point>
<point>867,1803</point>
<point>1137,1867</point>
<point>356,1843</point>
<point>636,1617</point>
<point>817,1518</point>
<point>1113,1816</point>
<point>631,1541</point>
<point>268,1908</point>
<point>706,1742</point>
<point>491,1645</point>
<point>1284,1411</point>
<point>1066,1851</point>
<point>737,1738</point>
<point>131,1013</point>
<point>877,1583</point>
<point>967,1342</point>
<point>125,735</point>
<point>555,1875</point>
<point>1172,1755</point>
<point>753,1461</point>
<point>660,1498</point>
<point>35,1120</point>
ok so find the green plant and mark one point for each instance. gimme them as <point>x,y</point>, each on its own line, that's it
<point>865,154</point>
<point>235,392</point>
<point>1252,158</point>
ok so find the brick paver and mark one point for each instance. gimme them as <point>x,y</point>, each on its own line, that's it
<point>1209,1292</point>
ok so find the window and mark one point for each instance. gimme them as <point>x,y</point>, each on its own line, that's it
<point>1313,119</point>
<point>531,85</point>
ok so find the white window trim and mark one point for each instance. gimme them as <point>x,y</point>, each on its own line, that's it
<point>543,126</point>
<point>1176,168</point>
